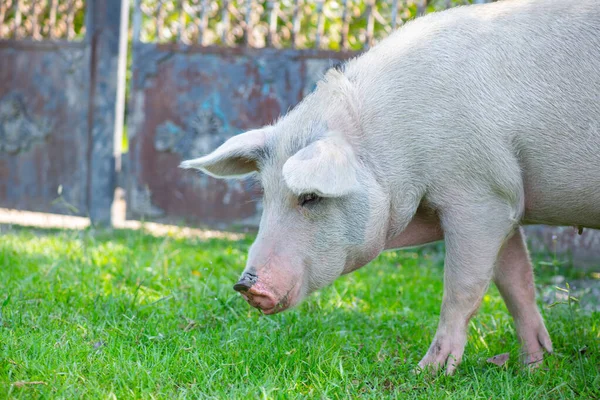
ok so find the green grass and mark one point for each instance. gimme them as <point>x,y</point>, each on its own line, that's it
<point>124,314</point>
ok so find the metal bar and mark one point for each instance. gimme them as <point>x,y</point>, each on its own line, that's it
<point>181,22</point>
<point>70,16</point>
<point>137,21</point>
<point>421,7</point>
<point>320,23</point>
<point>225,17</point>
<point>370,16</point>
<point>296,23</point>
<point>203,22</point>
<point>89,21</point>
<point>273,13</point>
<point>52,21</point>
<point>248,23</point>
<point>4,6</point>
<point>56,46</point>
<point>159,19</point>
<point>17,19</point>
<point>394,14</point>
<point>105,25</point>
<point>345,26</point>
<point>35,23</point>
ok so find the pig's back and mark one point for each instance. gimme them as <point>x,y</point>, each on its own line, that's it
<point>477,82</point>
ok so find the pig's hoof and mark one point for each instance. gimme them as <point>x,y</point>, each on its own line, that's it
<point>443,353</point>
<point>433,367</point>
<point>535,344</point>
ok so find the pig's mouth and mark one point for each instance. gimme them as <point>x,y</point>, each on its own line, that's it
<point>286,301</point>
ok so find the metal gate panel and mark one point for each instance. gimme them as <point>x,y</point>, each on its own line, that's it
<point>57,107</point>
<point>187,101</point>
<point>43,126</point>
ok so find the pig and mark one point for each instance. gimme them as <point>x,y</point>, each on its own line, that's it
<point>461,126</point>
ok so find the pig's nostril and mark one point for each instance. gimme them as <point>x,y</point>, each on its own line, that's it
<point>242,286</point>
<point>250,276</point>
<point>246,282</point>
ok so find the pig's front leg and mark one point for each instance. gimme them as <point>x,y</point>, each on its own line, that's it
<point>513,276</point>
<point>474,235</point>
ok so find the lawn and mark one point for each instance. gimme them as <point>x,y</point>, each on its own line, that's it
<point>123,314</point>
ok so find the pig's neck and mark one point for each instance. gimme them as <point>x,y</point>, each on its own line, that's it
<point>422,229</point>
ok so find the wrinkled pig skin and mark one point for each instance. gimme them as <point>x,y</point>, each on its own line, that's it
<point>462,126</point>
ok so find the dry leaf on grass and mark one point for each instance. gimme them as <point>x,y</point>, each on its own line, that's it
<point>499,359</point>
<point>25,383</point>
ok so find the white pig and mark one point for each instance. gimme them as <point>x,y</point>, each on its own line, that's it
<point>462,125</point>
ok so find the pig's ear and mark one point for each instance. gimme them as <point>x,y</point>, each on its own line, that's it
<point>235,158</point>
<point>326,167</point>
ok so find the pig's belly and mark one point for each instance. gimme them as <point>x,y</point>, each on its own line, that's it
<point>563,196</point>
<point>561,176</point>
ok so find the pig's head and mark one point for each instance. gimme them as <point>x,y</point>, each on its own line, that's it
<point>325,213</point>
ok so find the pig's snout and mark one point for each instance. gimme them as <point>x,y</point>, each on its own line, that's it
<point>245,283</point>
<point>257,294</point>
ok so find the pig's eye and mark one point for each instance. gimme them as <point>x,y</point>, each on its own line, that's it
<point>308,199</point>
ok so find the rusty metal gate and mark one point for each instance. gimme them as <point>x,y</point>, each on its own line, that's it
<point>203,71</point>
<point>58,83</point>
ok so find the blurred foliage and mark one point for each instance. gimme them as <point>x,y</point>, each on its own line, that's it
<point>42,19</point>
<point>280,24</point>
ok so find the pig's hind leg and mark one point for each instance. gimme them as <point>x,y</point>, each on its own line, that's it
<point>513,275</point>
<point>475,228</point>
